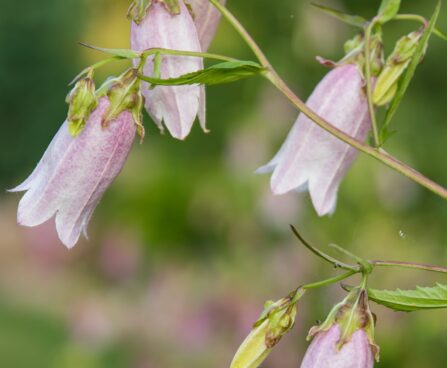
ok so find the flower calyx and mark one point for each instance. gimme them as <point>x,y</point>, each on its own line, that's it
<point>82,100</point>
<point>355,53</point>
<point>138,8</point>
<point>124,94</point>
<point>395,66</point>
<point>351,315</point>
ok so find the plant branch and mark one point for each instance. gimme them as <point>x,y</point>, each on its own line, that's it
<point>278,82</point>
<point>410,265</point>
<point>330,281</point>
<point>335,262</point>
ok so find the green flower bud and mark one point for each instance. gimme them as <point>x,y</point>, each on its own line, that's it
<point>276,320</point>
<point>82,101</point>
<point>396,64</point>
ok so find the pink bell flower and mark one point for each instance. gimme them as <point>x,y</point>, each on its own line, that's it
<point>74,173</point>
<point>206,18</point>
<point>324,353</point>
<point>175,106</point>
<point>311,158</point>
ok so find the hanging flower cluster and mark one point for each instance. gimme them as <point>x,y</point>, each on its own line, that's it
<point>169,42</point>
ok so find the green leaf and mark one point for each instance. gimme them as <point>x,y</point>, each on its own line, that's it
<point>121,53</point>
<point>411,70</point>
<point>422,298</point>
<point>388,10</point>
<point>353,20</point>
<point>440,34</point>
<point>217,74</point>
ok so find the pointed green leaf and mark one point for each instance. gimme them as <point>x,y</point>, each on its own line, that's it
<point>353,20</point>
<point>440,34</point>
<point>121,53</point>
<point>422,298</point>
<point>217,74</point>
<point>388,10</point>
<point>411,70</point>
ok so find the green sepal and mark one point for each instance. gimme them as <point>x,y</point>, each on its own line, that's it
<point>172,6</point>
<point>351,315</point>
<point>138,10</point>
<point>388,10</point>
<point>411,69</point>
<point>353,20</point>
<point>355,52</point>
<point>82,100</point>
<point>124,95</point>
<point>120,53</point>
<point>221,73</point>
<point>421,298</point>
<point>395,66</point>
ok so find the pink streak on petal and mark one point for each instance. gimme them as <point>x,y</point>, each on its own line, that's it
<point>323,352</point>
<point>176,106</point>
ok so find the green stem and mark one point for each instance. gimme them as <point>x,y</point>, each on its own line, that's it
<point>330,281</point>
<point>412,17</point>
<point>206,55</point>
<point>368,77</point>
<point>410,265</point>
<point>275,79</point>
<point>335,262</point>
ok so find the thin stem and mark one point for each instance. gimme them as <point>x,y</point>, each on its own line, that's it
<point>410,265</point>
<point>206,55</point>
<point>368,77</point>
<point>330,281</point>
<point>412,17</point>
<point>335,262</point>
<point>278,82</point>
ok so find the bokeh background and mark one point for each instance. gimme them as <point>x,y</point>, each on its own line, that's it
<point>188,243</point>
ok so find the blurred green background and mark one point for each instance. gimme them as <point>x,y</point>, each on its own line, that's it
<point>188,243</point>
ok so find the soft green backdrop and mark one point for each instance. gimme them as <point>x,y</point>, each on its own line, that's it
<point>188,243</point>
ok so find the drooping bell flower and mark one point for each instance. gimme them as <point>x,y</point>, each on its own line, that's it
<point>163,26</point>
<point>206,18</point>
<point>81,162</point>
<point>311,158</point>
<point>346,338</point>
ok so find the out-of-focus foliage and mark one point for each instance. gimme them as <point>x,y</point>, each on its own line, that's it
<point>189,243</point>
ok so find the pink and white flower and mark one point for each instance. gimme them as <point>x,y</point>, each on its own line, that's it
<point>324,353</point>
<point>175,106</point>
<point>74,173</point>
<point>311,158</point>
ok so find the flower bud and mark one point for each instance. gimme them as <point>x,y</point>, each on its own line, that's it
<point>74,172</point>
<point>276,320</point>
<point>82,101</point>
<point>397,63</point>
<point>346,338</point>
<point>175,106</point>
<point>311,158</point>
